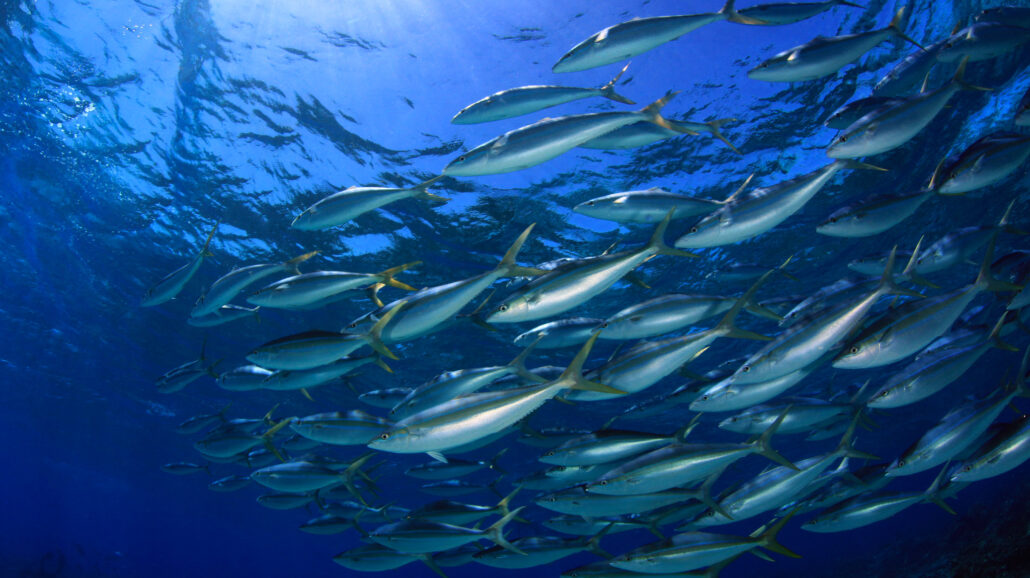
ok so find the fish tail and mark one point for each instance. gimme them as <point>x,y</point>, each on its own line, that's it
<point>508,265</point>
<point>506,501</point>
<point>910,274</point>
<point>494,532</point>
<point>994,338</point>
<point>985,280</point>
<point>767,538</point>
<point>204,252</point>
<point>427,559</point>
<point>518,365</point>
<point>713,128</point>
<point>594,543</point>
<point>855,164</point>
<point>608,90</point>
<point>933,493</point>
<point>572,377</point>
<point>657,242</point>
<point>389,274</point>
<point>727,326</point>
<point>895,27</point>
<point>852,4</point>
<point>845,449</point>
<point>353,469</point>
<point>653,114</point>
<point>375,335</point>
<point>887,285</point>
<point>495,465</point>
<point>960,78</point>
<point>706,495</point>
<point>211,368</point>
<point>730,10</point>
<point>379,361</point>
<point>292,263</point>
<point>422,193</point>
<point>682,433</point>
<point>373,293</point>
<point>766,450</point>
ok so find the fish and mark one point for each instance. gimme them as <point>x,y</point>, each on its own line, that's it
<point>672,312</point>
<point>649,206</point>
<point>198,423</point>
<point>983,41</point>
<point>351,203</point>
<point>316,348</point>
<point>539,551</point>
<point>229,443</point>
<point>303,379</point>
<point>644,133</point>
<point>561,333</point>
<point>824,56</point>
<point>458,513</point>
<point>727,395</point>
<point>576,501</point>
<point>847,114</point>
<point>224,314</point>
<point>326,525</point>
<point>743,217</point>
<point>475,416</point>
<point>544,140</point>
<point>313,289</point>
<point>911,72</point>
<point>628,39</point>
<point>244,378</point>
<point>575,283</point>
<point>454,468</point>
<point>304,476</point>
<point>515,102</point>
<point>417,536</point>
<point>173,283</point>
<point>780,13</point>
<point>693,550</point>
<point>230,483</point>
<point>890,127</point>
<point>1011,15</point>
<point>185,468</point>
<point>354,427</point>
<point>874,215</point>
<point>385,398</point>
<point>607,446</point>
<point>800,414</point>
<point>228,286</point>
<point>426,311</point>
<point>175,380</point>
<point>1006,450</point>
<point>378,558</point>
<point>285,500</point>
<point>987,161</point>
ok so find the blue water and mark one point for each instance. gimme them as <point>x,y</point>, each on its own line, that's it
<point>128,129</point>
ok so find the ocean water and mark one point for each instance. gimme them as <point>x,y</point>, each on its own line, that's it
<point>129,129</point>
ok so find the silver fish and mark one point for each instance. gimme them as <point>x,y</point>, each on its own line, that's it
<point>873,215</point>
<point>228,286</point>
<point>909,73</point>
<point>172,284</point>
<point>987,161</point>
<point>644,133</point>
<point>528,99</point>
<point>351,203</point>
<point>780,13</point>
<point>1009,448</point>
<point>983,41</point>
<point>313,289</point>
<point>415,536</point>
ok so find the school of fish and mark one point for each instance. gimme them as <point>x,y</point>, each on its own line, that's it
<point>673,484</point>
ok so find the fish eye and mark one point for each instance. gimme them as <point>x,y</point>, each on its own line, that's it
<point>590,203</point>
<point>693,229</point>
<point>844,138</point>
<point>550,453</point>
<point>384,436</point>
<point>462,158</point>
<point>833,219</point>
<point>854,350</point>
<point>604,325</point>
<point>552,499</point>
<point>746,368</point>
<point>502,308</point>
<point>604,482</point>
<point>884,393</point>
<point>901,463</point>
<point>704,398</point>
<point>967,468</point>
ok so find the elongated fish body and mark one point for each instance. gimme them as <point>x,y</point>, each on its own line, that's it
<point>306,350</point>
<point>539,550</point>
<point>727,395</point>
<point>562,333</point>
<point>846,115</point>
<point>768,491</point>
<point>649,206</point>
<point>927,375</point>
<point>450,512</point>
<point>568,476</point>
<point>821,56</point>
<point>385,398</point>
<point>983,41</point>
<point>440,471</point>
<point>426,311</point>
<point>199,423</point>
<point>677,464</point>
<point>290,380</point>
<point>373,558</point>
<point>416,536</point>
<point>955,432</point>
<point>528,99</point>
<point>759,211</point>
<point>312,289</point>
<point>352,428</point>
<point>663,315</point>
<point>228,286</point>
<point>1008,449</point>
<point>285,500</point>
<point>244,378</point>
<point>452,488</point>
<point>986,162</point>
<point>909,73</point>
<point>780,13</point>
<point>628,39</point>
<point>646,364</point>
<point>890,127</point>
<point>224,314</point>
<point>602,447</point>
<point>644,133</point>
<point>835,293</point>
<point>177,379</point>
<point>578,526</point>
<point>351,203</point>
<point>575,501</point>
<point>229,483</point>
<point>861,511</point>
<point>803,415</point>
<point>1010,15</point>
<point>873,216</point>
<point>906,330</point>
<point>544,140</point>
<point>693,550</point>
<point>172,284</point>
<point>326,525</point>
<point>574,283</point>
<point>953,249</point>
